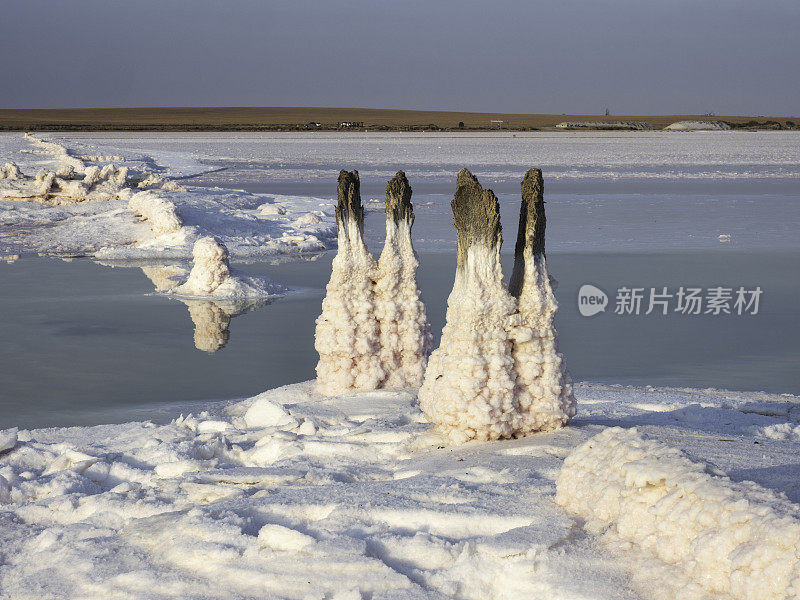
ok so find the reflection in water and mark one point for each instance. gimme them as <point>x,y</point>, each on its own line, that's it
<point>211,318</point>
<point>210,325</point>
<point>165,278</point>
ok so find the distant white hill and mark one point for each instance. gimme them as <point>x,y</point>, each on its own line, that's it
<point>698,126</point>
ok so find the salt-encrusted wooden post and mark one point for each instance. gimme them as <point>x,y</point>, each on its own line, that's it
<point>544,387</point>
<point>347,335</point>
<point>476,216</point>
<point>532,224</point>
<point>398,200</point>
<point>468,390</point>
<point>405,332</point>
<point>349,209</point>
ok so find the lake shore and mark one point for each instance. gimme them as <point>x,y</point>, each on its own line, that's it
<point>332,119</point>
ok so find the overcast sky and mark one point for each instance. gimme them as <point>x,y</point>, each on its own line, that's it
<point>565,56</point>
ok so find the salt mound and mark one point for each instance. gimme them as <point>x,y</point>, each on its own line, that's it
<point>54,149</point>
<point>160,213</point>
<point>94,175</point>
<point>265,413</point>
<point>269,208</point>
<point>65,185</point>
<point>10,171</point>
<point>211,319</point>
<point>698,126</point>
<point>8,439</point>
<point>70,182</point>
<point>156,181</point>
<point>732,538</point>
<point>212,277</point>
<point>307,219</point>
<point>210,269</point>
<point>278,537</point>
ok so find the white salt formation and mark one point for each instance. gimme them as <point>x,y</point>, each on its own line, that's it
<point>211,318</point>
<point>156,181</point>
<point>160,213</point>
<point>55,150</point>
<point>544,387</point>
<point>308,219</point>
<point>177,510</point>
<point>270,208</point>
<point>469,385</point>
<point>210,268</point>
<point>70,182</point>
<point>10,171</point>
<point>698,126</point>
<point>94,174</point>
<point>404,330</point>
<point>348,336</point>
<point>8,438</point>
<point>497,372</point>
<point>64,185</point>
<point>732,538</point>
<point>212,277</point>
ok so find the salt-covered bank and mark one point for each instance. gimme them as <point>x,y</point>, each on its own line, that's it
<point>67,200</point>
<point>293,495</point>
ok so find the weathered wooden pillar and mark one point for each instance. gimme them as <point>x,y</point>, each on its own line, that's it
<point>532,224</point>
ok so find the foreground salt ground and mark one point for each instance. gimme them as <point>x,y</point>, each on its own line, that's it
<point>148,214</point>
<point>291,495</point>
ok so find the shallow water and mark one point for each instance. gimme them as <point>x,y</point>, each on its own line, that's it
<point>610,191</point>
<point>82,343</point>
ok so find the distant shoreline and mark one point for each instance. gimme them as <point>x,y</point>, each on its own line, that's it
<point>336,119</point>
